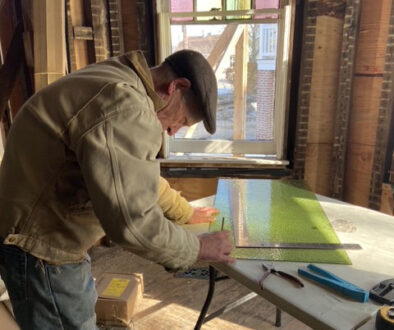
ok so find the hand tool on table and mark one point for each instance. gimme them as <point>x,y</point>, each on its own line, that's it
<point>334,282</point>
<point>383,292</point>
<point>385,318</point>
<point>270,269</point>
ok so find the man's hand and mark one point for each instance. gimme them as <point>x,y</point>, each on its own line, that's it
<point>203,214</point>
<point>215,247</point>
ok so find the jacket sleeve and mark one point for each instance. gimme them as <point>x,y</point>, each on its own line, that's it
<point>117,158</point>
<point>174,206</point>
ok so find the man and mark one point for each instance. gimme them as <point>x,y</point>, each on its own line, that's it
<point>89,140</point>
<point>177,209</point>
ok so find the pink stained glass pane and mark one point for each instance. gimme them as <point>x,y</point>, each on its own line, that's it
<point>266,4</point>
<point>181,6</point>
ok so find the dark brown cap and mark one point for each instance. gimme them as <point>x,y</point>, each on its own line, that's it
<point>193,66</point>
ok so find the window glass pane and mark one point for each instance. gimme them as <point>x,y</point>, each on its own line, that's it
<point>204,5</point>
<point>181,6</point>
<point>238,5</point>
<point>261,69</point>
<point>266,4</point>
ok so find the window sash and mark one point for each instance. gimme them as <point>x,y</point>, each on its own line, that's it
<point>222,146</point>
<point>285,30</point>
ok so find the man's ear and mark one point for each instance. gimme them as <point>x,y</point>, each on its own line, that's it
<point>178,83</point>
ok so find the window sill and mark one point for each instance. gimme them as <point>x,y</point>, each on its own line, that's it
<point>187,161</point>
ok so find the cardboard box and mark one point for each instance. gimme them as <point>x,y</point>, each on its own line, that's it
<point>118,298</point>
<point>6,319</point>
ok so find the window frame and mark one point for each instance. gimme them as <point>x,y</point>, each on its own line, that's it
<point>275,148</point>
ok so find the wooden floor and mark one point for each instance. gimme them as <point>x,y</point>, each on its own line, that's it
<point>172,303</point>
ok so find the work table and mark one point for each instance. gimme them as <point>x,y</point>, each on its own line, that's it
<point>316,306</point>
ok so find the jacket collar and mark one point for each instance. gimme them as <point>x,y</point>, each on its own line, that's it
<point>138,61</point>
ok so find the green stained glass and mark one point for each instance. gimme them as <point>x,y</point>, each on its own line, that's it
<point>238,5</point>
<point>274,211</point>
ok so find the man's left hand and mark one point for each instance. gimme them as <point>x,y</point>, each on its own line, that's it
<point>203,214</point>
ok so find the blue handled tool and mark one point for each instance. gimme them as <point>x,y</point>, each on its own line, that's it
<point>326,278</point>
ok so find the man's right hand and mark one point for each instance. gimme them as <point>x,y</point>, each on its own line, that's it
<point>215,247</point>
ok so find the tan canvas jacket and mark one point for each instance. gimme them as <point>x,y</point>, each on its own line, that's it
<point>87,143</point>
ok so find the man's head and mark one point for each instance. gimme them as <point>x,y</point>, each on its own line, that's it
<point>188,84</point>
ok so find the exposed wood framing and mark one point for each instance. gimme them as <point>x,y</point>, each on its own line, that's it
<point>83,50</point>
<point>227,40</point>
<point>71,57</point>
<point>131,37</point>
<point>328,40</point>
<point>387,200</point>
<point>366,128</point>
<point>83,32</point>
<point>49,42</point>
<point>345,88</point>
<point>240,85</point>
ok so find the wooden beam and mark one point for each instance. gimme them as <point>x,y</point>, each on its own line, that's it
<point>323,100</point>
<point>83,32</point>
<point>131,37</point>
<point>317,166</point>
<point>372,39</point>
<point>240,85</point>
<point>358,173</point>
<point>49,41</point>
<point>366,122</point>
<point>365,110</point>
<point>387,202</point>
<point>227,40</point>
<point>81,50</point>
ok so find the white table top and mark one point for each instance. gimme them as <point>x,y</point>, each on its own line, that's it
<point>314,305</point>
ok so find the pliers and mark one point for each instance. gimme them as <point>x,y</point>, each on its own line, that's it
<point>270,269</point>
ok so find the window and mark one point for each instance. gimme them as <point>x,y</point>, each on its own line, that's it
<point>247,42</point>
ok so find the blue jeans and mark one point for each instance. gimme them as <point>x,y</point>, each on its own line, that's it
<point>45,296</point>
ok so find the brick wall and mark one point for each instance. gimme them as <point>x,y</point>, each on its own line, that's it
<point>305,88</point>
<point>384,120</point>
<point>381,153</point>
<point>99,24</point>
<point>265,104</point>
<point>345,89</point>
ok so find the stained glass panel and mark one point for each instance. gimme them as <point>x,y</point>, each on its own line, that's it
<point>204,5</point>
<point>273,211</point>
<point>266,4</point>
<point>181,6</point>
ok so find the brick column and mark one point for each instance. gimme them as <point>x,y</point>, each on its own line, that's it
<point>265,104</point>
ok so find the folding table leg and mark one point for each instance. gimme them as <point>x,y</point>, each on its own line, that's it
<point>211,290</point>
<point>278,320</point>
